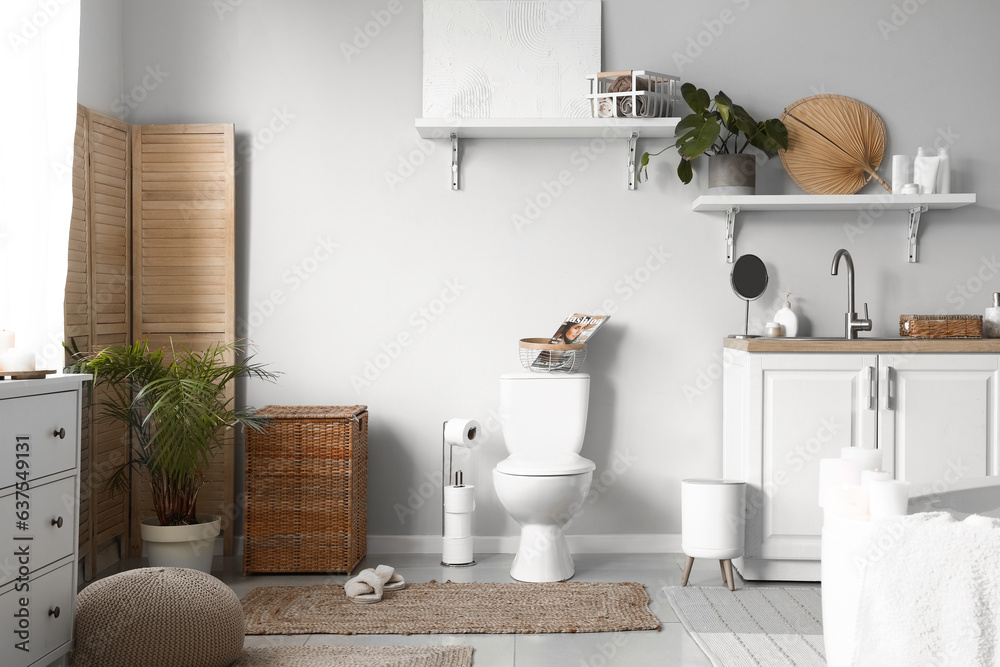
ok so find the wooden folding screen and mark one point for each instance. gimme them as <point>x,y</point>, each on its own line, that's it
<point>151,255</point>
<point>97,311</point>
<point>183,263</point>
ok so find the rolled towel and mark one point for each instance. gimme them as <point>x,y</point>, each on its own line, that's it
<point>605,108</point>
<point>623,84</point>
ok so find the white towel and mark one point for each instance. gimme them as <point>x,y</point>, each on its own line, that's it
<point>930,593</point>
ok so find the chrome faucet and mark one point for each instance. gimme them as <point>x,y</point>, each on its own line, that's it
<point>852,325</point>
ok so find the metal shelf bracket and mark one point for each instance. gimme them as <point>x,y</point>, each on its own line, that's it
<point>912,234</point>
<point>730,228</point>
<point>631,160</point>
<point>454,160</point>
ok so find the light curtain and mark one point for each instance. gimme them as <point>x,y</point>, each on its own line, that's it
<point>39,60</point>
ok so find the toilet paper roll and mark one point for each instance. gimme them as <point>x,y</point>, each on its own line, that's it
<point>461,432</point>
<point>900,173</point>
<point>457,525</point>
<point>456,550</point>
<point>459,499</point>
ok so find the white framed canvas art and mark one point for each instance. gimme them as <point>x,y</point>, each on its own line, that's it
<point>510,58</point>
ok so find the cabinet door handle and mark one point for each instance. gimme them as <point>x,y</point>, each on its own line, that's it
<point>57,522</point>
<point>870,385</point>
<point>885,387</point>
<point>54,612</point>
<point>61,433</point>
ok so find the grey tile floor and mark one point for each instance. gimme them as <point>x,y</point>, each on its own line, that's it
<point>672,646</point>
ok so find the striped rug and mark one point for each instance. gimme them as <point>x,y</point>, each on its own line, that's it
<point>753,627</point>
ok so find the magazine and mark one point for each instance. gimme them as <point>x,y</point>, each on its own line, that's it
<point>578,328</point>
<point>574,330</point>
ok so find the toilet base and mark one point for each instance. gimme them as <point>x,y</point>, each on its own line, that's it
<point>543,555</point>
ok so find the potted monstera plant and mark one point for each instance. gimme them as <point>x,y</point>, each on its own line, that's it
<point>724,131</point>
<point>178,410</point>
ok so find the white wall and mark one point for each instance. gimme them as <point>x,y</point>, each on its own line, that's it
<point>318,135</point>
<point>100,83</point>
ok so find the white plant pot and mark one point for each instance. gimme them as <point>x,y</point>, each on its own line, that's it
<point>181,546</point>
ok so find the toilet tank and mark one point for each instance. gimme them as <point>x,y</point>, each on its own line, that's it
<point>544,413</point>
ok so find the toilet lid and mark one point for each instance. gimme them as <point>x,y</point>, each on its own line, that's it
<point>566,463</point>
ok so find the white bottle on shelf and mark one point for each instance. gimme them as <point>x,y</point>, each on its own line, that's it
<point>991,320</point>
<point>787,318</point>
<point>944,172</point>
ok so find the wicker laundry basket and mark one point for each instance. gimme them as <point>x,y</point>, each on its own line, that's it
<point>306,490</point>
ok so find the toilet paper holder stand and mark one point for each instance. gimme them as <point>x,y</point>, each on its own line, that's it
<point>447,458</point>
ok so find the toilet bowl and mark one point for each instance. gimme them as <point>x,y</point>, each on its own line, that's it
<point>544,481</point>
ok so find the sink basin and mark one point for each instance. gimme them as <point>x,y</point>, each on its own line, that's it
<point>860,339</point>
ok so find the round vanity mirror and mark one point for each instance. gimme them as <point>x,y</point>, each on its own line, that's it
<point>749,280</point>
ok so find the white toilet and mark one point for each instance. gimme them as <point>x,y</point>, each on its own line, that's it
<point>544,481</point>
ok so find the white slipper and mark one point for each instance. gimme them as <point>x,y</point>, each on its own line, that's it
<point>364,588</point>
<point>390,580</point>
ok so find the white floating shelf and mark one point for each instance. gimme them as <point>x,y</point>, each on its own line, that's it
<point>913,204</point>
<point>545,128</point>
<point>629,129</point>
<point>830,202</point>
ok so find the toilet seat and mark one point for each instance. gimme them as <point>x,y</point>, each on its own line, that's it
<point>563,463</point>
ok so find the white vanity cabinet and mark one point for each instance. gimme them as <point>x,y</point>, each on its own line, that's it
<point>39,509</point>
<point>934,417</point>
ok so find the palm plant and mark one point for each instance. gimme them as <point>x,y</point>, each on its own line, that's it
<point>177,412</point>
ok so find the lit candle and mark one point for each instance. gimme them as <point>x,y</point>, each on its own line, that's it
<point>6,341</point>
<point>888,497</point>
<point>16,360</point>
<point>868,475</point>
<point>870,459</point>
<point>846,500</point>
<point>835,473</point>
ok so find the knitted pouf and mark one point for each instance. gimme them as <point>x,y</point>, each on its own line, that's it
<point>158,617</point>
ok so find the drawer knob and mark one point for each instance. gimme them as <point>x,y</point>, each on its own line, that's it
<point>54,612</point>
<point>61,433</point>
<point>57,522</point>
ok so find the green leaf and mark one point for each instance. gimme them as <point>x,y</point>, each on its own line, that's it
<point>724,106</point>
<point>700,141</point>
<point>777,131</point>
<point>696,98</point>
<point>684,171</point>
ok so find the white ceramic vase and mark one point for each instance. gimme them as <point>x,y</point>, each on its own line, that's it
<point>182,546</point>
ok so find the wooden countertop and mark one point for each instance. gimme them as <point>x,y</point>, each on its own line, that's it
<point>863,345</point>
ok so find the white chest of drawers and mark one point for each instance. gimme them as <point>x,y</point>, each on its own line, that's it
<point>39,517</point>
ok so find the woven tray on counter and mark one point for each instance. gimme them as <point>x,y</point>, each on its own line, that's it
<point>941,326</point>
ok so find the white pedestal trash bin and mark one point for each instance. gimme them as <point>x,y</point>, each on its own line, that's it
<point>712,521</point>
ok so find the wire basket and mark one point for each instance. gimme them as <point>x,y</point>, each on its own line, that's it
<point>541,356</point>
<point>633,94</point>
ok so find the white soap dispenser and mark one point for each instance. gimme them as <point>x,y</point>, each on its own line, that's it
<point>787,319</point>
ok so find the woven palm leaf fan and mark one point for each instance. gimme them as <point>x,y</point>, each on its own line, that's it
<point>835,144</point>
